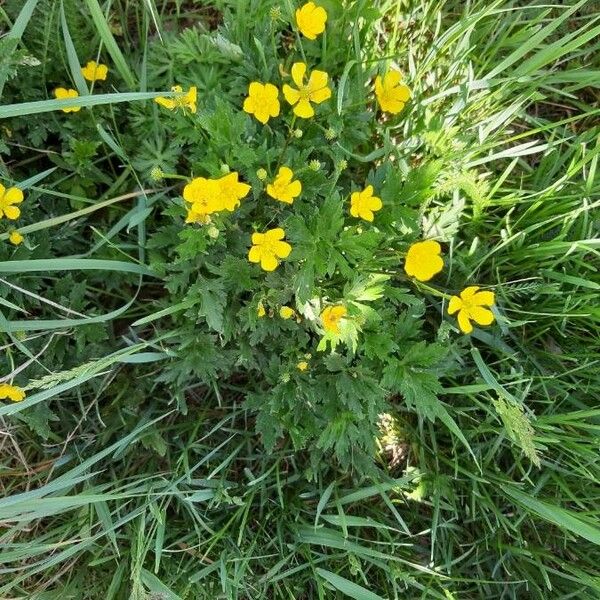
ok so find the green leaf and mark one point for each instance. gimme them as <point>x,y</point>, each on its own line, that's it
<point>111,45</point>
<point>347,587</point>
<point>555,514</point>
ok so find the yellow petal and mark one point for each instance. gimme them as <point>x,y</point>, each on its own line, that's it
<point>166,102</point>
<point>463,322</point>
<point>374,203</point>
<point>268,262</point>
<point>469,292</point>
<point>454,305</point>
<point>295,188</point>
<point>290,94</point>
<point>304,109</point>
<point>274,235</point>
<point>298,72</point>
<point>13,195</point>
<point>285,174</point>
<point>254,254</point>
<point>282,249</point>
<point>392,79</point>
<point>484,299</point>
<point>258,238</point>
<point>480,315</point>
<point>12,212</point>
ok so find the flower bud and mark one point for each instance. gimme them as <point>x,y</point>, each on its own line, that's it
<point>261,174</point>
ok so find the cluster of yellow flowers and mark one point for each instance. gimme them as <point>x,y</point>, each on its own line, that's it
<point>206,196</point>
<point>93,72</point>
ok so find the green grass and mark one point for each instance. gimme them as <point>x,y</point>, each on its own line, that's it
<point>109,491</point>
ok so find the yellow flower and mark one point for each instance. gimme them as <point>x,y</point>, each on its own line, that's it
<point>268,248</point>
<point>181,100</point>
<point>392,94</point>
<point>423,260</point>
<point>364,204</point>
<point>262,101</point>
<point>331,317</point>
<point>62,93</point>
<point>232,191</point>
<point>11,392</point>
<point>8,198</point>
<point>94,71</point>
<point>205,197</point>
<point>315,90</point>
<point>470,308</point>
<point>15,238</point>
<point>311,19</point>
<point>302,365</point>
<point>285,312</point>
<point>283,188</point>
<point>260,310</point>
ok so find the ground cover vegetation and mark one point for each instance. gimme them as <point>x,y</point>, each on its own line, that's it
<point>299,299</point>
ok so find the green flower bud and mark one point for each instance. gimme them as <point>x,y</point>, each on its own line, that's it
<point>298,133</point>
<point>261,174</point>
<point>157,174</point>
<point>314,165</point>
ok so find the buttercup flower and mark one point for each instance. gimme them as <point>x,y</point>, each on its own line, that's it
<point>268,248</point>
<point>302,365</point>
<point>392,94</point>
<point>423,260</point>
<point>364,204</point>
<point>331,317</point>
<point>62,93</point>
<point>15,238</point>
<point>470,307</point>
<point>183,100</point>
<point>11,392</point>
<point>8,198</point>
<point>285,312</point>
<point>262,101</point>
<point>283,188</point>
<point>94,71</point>
<point>205,197</point>
<point>232,190</point>
<point>315,90</point>
<point>311,19</point>
<point>260,310</point>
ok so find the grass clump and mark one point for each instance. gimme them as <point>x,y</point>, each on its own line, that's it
<point>243,311</point>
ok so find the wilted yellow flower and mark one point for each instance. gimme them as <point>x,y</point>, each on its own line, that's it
<point>62,94</point>
<point>15,238</point>
<point>423,260</point>
<point>470,307</point>
<point>267,248</point>
<point>302,365</point>
<point>331,317</point>
<point>8,198</point>
<point>364,204</point>
<point>183,100</point>
<point>392,94</point>
<point>285,312</point>
<point>283,188</point>
<point>232,190</point>
<point>204,195</point>
<point>311,19</point>
<point>11,392</point>
<point>260,310</point>
<point>262,101</point>
<point>316,90</point>
<point>94,71</point>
